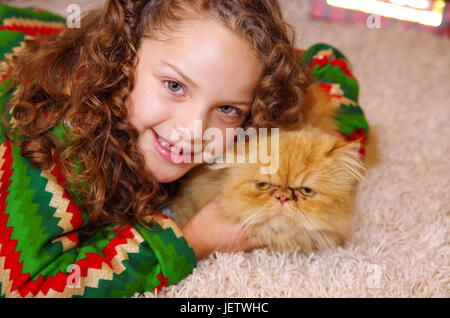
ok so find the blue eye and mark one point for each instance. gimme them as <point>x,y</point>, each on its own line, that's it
<point>174,87</point>
<point>228,110</point>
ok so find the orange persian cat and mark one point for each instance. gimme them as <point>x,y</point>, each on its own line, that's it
<point>305,205</point>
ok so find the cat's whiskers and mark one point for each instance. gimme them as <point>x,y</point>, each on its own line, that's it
<point>233,236</point>
<point>250,222</point>
<point>244,226</point>
<point>312,234</point>
<point>315,234</point>
<point>262,214</point>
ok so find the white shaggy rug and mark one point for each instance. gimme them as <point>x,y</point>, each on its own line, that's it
<point>401,241</point>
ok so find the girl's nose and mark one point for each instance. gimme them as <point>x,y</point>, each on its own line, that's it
<point>192,125</point>
<point>191,119</point>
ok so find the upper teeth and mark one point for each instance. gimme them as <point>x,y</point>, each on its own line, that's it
<point>165,144</point>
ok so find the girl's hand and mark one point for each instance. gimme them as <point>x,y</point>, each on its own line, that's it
<point>207,232</point>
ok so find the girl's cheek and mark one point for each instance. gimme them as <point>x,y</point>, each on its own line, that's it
<point>228,139</point>
<point>147,111</point>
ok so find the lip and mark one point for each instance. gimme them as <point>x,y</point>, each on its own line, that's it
<point>168,155</point>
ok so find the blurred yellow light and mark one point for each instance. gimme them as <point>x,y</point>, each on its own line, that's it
<point>396,11</point>
<point>419,4</point>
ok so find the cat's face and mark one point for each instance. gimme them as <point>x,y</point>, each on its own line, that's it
<point>307,203</point>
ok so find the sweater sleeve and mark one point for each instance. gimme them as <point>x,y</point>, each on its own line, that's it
<point>40,254</point>
<point>331,72</point>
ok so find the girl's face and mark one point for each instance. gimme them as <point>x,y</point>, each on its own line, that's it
<point>205,72</point>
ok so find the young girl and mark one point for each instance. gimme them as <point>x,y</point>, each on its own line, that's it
<point>84,162</point>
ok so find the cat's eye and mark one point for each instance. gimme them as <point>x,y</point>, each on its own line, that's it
<point>264,185</point>
<point>307,192</point>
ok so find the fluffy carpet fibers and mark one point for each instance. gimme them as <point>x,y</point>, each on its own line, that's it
<point>401,242</point>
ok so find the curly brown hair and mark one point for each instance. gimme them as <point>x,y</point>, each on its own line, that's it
<point>82,77</point>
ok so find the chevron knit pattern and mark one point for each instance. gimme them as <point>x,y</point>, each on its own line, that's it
<point>40,255</point>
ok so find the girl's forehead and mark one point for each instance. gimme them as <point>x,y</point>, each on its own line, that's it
<point>196,32</point>
<point>202,50</point>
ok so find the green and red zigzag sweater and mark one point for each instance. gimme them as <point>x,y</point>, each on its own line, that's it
<point>40,255</point>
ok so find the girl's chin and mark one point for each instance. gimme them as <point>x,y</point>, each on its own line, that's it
<point>171,174</point>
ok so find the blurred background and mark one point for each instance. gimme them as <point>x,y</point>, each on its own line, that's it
<point>430,15</point>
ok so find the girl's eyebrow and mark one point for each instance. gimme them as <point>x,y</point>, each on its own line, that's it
<point>177,70</point>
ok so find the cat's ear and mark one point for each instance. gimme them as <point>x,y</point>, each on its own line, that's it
<point>347,155</point>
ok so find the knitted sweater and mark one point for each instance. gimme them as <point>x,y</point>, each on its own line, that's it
<point>40,253</point>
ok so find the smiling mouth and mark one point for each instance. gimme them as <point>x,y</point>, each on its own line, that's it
<point>170,146</point>
<point>177,155</point>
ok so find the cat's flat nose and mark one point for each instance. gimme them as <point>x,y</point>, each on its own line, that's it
<point>283,198</point>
